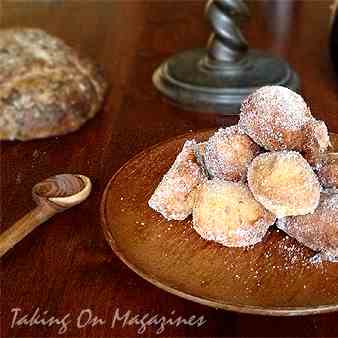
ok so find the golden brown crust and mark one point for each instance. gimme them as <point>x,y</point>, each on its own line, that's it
<point>316,143</point>
<point>227,213</point>
<point>228,153</point>
<point>275,117</point>
<point>328,173</point>
<point>284,183</point>
<point>46,88</point>
<point>174,197</point>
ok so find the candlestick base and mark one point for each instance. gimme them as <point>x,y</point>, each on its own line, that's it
<point>193,82</point>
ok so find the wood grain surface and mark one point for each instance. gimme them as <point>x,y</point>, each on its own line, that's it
<point>66,265</point>
<point>52,196</point>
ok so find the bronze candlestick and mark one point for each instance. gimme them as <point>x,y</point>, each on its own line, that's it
<point>217,78</point>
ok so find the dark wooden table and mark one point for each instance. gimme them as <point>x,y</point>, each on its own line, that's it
<point>66,266</point>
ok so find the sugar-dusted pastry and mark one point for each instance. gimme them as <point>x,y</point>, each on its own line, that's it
<point>174,196</point>
<point>284,183</point>
<point>318,231</point>
<point>328,172</point>
<point>227,213</point>
<point>275,118</point>
<point>46,87</point>
<point>228,153</point>
<point>317,141</point>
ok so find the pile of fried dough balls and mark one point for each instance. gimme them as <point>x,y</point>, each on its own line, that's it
<point>274,167</point>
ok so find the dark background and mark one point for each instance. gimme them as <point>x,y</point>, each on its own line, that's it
<point>66,265</point>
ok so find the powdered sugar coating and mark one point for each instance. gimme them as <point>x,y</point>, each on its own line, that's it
<point>284,183</point>
<point>227,213</point>
<point>274,117</point>
<point>328,172</point>
<point>318,231</point>
<point>228,153</point>
<point>317,141</point>
<point>174,196</point>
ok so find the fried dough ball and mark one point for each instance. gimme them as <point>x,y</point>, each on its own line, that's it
<point>317,141</point>
<point>284,183</point>
<point>275,118</point>
<point>318,231</point>
<point>228,154</point>
<point>174,196</point>
<point>227,213</point>
<point>328,172</point>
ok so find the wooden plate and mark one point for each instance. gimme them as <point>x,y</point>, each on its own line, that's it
<point>274,277</point>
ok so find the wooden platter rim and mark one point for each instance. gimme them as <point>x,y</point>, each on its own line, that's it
<point>248,309</point>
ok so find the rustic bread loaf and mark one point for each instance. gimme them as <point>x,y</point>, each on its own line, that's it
<point>46,88</point>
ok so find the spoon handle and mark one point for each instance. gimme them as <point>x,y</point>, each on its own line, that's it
<point>53,195</point>
<point>24,226</point>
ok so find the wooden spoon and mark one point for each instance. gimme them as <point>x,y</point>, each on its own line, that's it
<point>53,195</point>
